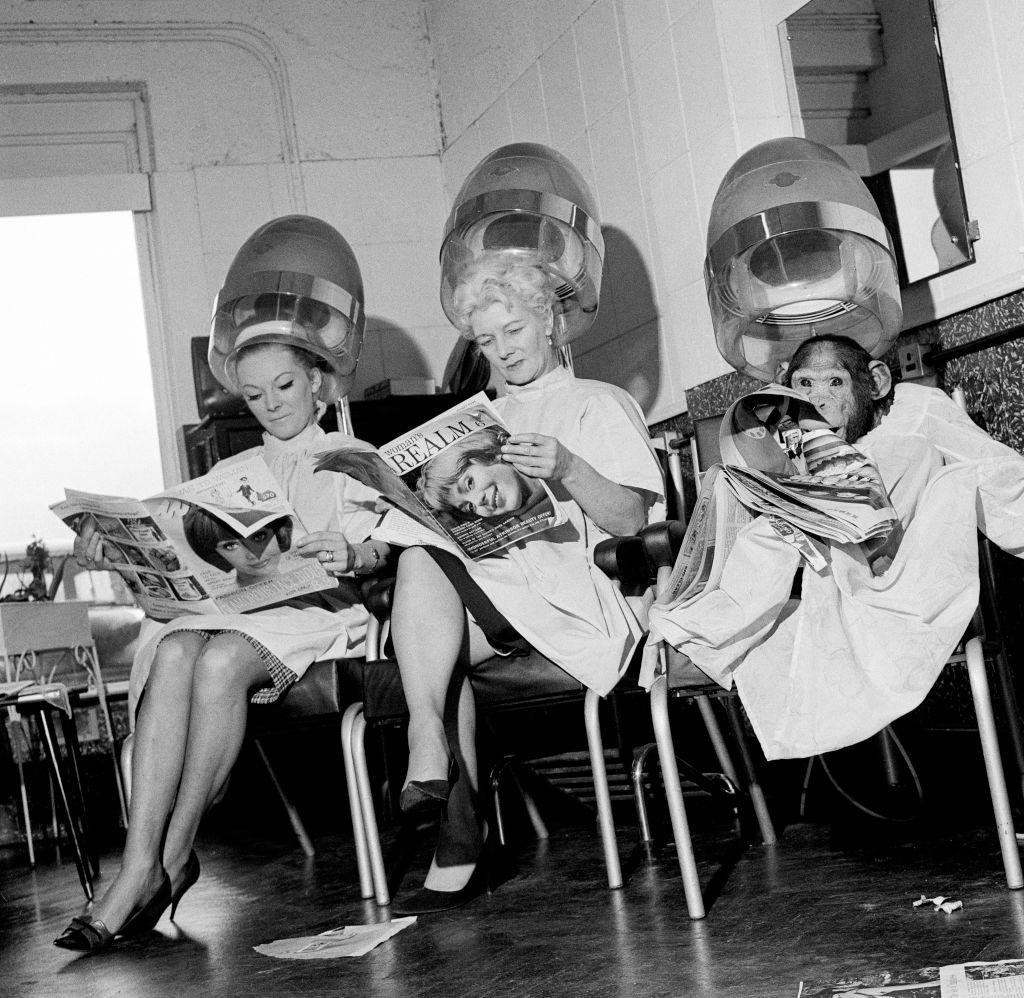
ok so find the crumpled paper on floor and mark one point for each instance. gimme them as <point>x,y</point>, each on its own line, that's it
<point>349,940</point>
<point>941,903</point>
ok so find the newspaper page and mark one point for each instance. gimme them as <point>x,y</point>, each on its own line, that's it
<point>717,519</point>
<point>223,543</point>
<point>783,460</point>
<point>449,484</point>
<point>998,979</point>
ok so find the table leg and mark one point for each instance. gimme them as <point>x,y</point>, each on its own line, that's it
<point>81,862</point>
<point>71,741</point>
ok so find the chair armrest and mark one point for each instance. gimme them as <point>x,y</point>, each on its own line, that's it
<point>635,560</point>
<point>377,593</point>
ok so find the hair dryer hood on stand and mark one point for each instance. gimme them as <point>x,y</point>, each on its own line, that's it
<point>797,248</point>
<point>294,281</point>
<point>529,200</point>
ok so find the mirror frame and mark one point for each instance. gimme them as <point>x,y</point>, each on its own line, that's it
<point>779,11</point>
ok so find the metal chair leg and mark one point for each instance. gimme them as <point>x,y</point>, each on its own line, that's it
<point>539,828</point>
<point>294,819</point>
<point>77,846</point>
<point>757,798</point>
<point>993,763</point>
<point>639,796</point>
<point>368,814</point>
<point>601,793</point>
<point>707,713</point>
<point>674,796</point>
<point>354,806</point>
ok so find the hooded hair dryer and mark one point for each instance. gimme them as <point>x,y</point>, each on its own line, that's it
<point>796,248</point>
<point>528,200</point>
<point>296,282</point>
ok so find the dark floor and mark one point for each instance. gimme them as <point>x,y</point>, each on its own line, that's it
<point>807,909</point>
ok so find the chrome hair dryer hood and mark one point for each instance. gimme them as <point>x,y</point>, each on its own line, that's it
<point>295,281</point>
<point>796,248</point>
<point>530,201</point>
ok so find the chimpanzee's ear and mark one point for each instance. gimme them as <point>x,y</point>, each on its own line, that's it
<point>781,371</point>
<point>881,378</point>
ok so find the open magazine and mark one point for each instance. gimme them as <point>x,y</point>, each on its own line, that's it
<point>449,485</point>
<point>175,556</point>
<point>783,463</point>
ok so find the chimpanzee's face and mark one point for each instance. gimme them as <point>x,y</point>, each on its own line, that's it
<point>846,404</point>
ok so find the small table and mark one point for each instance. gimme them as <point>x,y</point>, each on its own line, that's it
<point>31,631</point>
<point>44,700</point>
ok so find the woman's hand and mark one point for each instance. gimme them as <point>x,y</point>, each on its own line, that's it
<point>538,456</point>
<point>330,548</point>
<point>89,550</point>
<point>615,508</point>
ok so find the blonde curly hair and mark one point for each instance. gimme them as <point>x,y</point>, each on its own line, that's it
<point>498,276</point>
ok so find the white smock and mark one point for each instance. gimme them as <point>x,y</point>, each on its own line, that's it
<point>857,651</point>
<point>547,586</point>
<point>289,638</point>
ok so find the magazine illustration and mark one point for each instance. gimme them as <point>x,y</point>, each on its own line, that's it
<point>449,484</point>
<point>222,543</point>
<point>782,462</point>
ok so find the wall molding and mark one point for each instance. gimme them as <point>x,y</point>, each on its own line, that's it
<point>241,36</point>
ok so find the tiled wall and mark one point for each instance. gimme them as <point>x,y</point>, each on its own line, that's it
<point>371,114</point>
<point>654,100</point>
<point>256,111</point>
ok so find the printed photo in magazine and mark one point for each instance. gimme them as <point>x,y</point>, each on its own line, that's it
<point>449,484</point>
<point>223,543</point>
<point>840,498</point>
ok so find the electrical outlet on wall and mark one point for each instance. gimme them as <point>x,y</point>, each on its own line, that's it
<point>912,362</point>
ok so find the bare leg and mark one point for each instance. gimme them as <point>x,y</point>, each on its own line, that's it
<point>428,626</point>
<point>432,635</point>
<point>227,670</point>
<point>161,733</point>
<point>188,734</point>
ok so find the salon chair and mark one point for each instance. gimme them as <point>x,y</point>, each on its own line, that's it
<point>501,684</point>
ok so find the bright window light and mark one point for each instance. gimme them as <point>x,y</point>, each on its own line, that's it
<point>76,406</point>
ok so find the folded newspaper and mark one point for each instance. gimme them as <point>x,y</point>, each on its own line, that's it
<point>782,461</point>
<point>449,484</point>
<point>223,543</point>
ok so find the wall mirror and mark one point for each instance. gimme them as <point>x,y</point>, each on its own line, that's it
<point>868,81</point>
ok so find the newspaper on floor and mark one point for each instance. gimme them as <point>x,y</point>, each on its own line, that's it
<point>349,940</point>
<point>999,979</point>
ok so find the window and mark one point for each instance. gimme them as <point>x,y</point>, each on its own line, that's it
<point>76,407</point>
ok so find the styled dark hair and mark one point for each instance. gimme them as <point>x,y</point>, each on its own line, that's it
<point>481,446</point>
<point>204,532</point>
<point>851,355</point>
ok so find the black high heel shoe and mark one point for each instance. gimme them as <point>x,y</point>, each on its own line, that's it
<point>90,935</point>
<point>427,901</point>
<point>189,875</point>
<point>419,796</point>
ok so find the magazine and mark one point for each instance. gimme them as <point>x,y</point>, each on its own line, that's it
<point>448,484</point>
<point>782,459</point>
<point>998,979</point>
<point>829,491</point>
<point>173,558</point>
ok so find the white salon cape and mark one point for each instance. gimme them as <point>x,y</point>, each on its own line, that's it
<point>294,636</point>
<point>547,586</point>
<point>857,651</point>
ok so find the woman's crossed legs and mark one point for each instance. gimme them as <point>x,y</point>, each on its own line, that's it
<point>188,734</point>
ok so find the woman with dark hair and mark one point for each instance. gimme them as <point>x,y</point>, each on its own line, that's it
<point>194,677</point>
<point>587,440</point>
<point>252,559</point>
